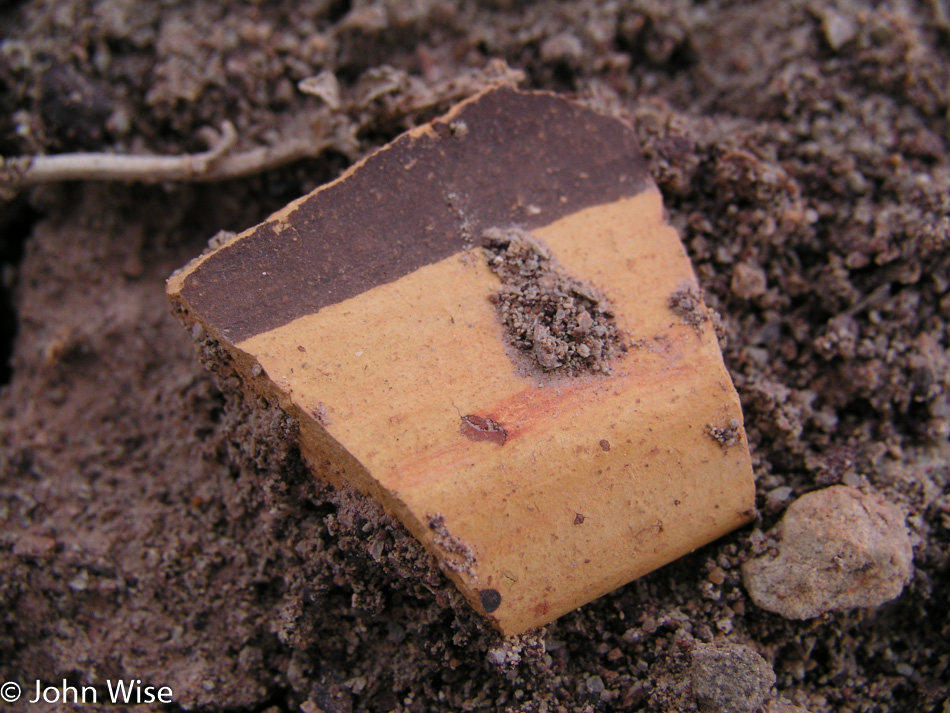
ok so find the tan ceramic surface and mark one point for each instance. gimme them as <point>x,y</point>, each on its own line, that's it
<point>553,518</point>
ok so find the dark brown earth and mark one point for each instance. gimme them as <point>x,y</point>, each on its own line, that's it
<point>153,529</point>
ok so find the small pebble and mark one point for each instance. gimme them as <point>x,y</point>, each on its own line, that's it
<point>748,281</point>
<point>838,29</point>
<point>132,267</point>
<point>780,705</point>
<point>34,546</point>
<point>564,47</point>
<point>324,86</point>
<point>730,677</point>
<point>838,549</point>
<point>777,498</point>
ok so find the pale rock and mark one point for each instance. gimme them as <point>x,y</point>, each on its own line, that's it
<point>838,549</point>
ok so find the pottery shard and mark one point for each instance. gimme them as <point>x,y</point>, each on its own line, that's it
<point>449,323</point>
<point>839,549</point>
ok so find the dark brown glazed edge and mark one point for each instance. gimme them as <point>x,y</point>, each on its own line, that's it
<point>504,157</point>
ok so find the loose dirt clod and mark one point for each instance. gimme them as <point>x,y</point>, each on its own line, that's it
<point>729,677</point>
<point>839,549</point>
<point>687,304</point>
<point>563,323</point>
<point>725,436</point>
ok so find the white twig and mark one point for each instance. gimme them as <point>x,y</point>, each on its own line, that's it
<point>219,162</point>
<point>215,164</point>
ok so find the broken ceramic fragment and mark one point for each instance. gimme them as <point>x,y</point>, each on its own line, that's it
<point>478,325</point>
